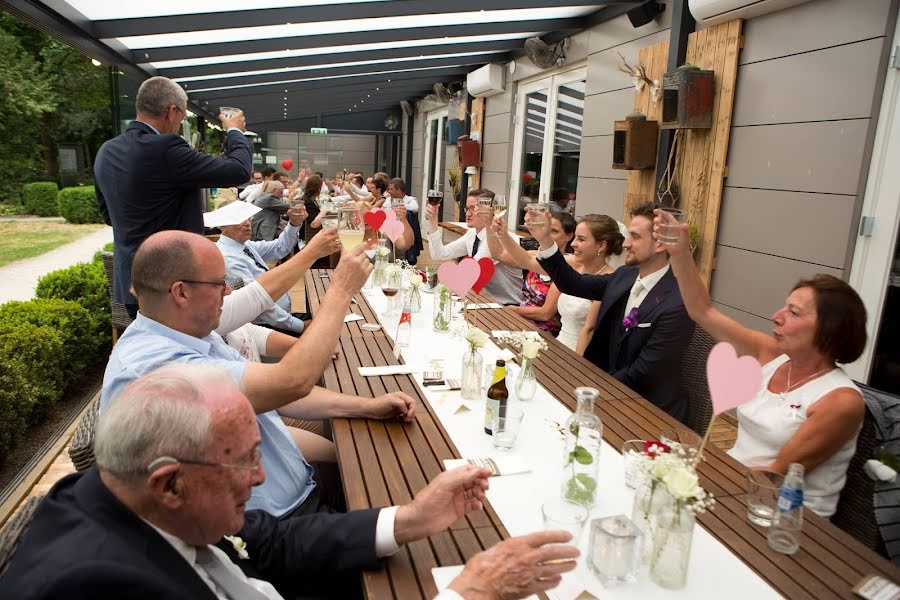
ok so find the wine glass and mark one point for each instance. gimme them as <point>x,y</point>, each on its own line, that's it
<point>499,208</point>
<point>390,287</point>
<point>350,226</point>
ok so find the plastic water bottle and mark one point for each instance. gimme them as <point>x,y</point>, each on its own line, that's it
<point>784,534</point>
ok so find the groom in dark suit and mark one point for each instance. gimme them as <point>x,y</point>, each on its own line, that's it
<point>643,327</point>
<point>148,179</point>
<point>177,454</point>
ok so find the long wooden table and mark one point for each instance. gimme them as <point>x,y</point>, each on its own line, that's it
<point>385,463</point>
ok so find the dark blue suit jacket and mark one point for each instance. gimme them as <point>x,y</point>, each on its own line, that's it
<point>147,182</point>
<point>83,543</point>
<point>646,358</point>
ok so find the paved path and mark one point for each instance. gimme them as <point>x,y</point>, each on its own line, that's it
<point>20,278</point>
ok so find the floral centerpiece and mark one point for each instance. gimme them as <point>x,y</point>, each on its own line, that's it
<point>443,303</point>
<point>472,361</point>
<point>665,508</point>
<point>529,344</point>
<point>416,280</point>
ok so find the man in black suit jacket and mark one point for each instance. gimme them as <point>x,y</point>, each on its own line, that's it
<point>148,179</point>
<point>643,351</point>
<point>177,454</point>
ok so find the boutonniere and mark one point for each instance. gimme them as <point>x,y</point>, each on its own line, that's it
<point>240,546</point>
<point>631,320</point>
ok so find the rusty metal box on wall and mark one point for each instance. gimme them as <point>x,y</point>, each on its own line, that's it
<point>688,95</point>
<point>634,143</point>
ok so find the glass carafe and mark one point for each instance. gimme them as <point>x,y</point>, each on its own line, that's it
<point>584,436</point>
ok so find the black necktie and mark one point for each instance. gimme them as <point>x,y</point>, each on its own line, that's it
<point>253,258</point>
<point>475,246</point>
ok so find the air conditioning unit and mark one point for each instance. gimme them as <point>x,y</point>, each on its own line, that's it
<point>713,12</point>
<point>487,81</point>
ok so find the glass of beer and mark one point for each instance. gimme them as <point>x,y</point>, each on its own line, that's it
<point>351,226</point>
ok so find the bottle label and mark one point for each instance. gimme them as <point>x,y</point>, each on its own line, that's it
<point>489,412</point>
<point>789,499</point>
<point>406,317</point>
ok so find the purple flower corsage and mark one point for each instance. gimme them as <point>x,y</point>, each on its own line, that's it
<point>631,320</point>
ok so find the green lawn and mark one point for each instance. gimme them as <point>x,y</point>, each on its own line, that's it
<point>20,240</point>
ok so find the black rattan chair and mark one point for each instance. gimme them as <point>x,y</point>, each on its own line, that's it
<point>12,534</point>
<point>693,380</point>
<point>81,449</point>
<point>120,318</point>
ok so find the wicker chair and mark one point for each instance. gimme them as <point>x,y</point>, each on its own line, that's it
<point>120,318</point>
<point>81,450</point>
<point>13,532</point>
<point>693,380</point>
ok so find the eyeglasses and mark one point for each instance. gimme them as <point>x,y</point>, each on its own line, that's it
<point>471,208</point>
<point>224,283</point>
<point>162,461</point>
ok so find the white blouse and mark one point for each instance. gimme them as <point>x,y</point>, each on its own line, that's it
<point>767,422</point>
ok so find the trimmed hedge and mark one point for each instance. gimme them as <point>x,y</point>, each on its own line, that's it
<point>84,283</point>
<point>15,404</point>
<point>40,198</point>
<point>79,205</point>
<point>81,343</point>
<point>39,351</point>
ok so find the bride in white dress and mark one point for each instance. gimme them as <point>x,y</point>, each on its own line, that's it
<point>597,239</point>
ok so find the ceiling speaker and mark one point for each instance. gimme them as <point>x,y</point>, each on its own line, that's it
<point>646,12</point>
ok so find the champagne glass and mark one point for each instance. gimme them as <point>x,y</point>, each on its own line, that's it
<point>350,226</point>
<point>499,208</point>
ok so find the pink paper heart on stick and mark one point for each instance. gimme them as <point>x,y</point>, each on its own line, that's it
<point>486,270</point>
<point>375,218</point>
<point>389,214</point>
<point>392,229</point>
<point>732,380</point>
<point>459,278</point>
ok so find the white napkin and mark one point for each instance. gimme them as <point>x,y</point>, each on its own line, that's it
<point>387,370</point>
<point>498,332</point>
<point>353,317</point>
<point>484,305</point>
<point>233,213</point>
<point>500,465</point>
<point>444,575</point>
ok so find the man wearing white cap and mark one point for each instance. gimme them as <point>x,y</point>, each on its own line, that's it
<point>247,260</point>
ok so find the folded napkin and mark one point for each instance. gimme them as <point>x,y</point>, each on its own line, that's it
<point>484,305</point>
<point>230,214</point>
<point>502,465</point>
<point>353,317</point>
<point>387,370</point>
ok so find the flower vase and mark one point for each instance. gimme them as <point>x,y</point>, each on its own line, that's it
<point>378,272</point>
<point>671,545</point>
<point>415,298</point>
<point>581,456</point>
<point>442,309</point>
<point>649,498</point>
<point>472,365</point>
<point>526,384</point>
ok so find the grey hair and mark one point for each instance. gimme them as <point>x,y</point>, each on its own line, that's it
<point>157,94</point>
<point>164,413</point>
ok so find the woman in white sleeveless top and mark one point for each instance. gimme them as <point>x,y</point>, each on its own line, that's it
<point>808,410</point>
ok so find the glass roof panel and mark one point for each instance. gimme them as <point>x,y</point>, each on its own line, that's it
<point>236,58</point>
<point>97,10</point>
<point>328,66</point>
<point>349,26</point>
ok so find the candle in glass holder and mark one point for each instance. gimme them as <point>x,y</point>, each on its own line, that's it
<point>614,551</point>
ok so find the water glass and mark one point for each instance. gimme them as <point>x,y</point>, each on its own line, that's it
<point>762,496</point>
<point>330,221</point>
<point>683,438</point>
<point>631,450</point>
<point>668,233</point>
<point>615,550</point>
<point>228,112</point>
<point>506,427</point>
<point>538,212</point>
<point>560,513</point>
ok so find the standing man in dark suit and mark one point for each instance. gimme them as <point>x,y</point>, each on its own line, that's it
<point>643,326</point>
<point>177,454</point>
<point>148,179</point>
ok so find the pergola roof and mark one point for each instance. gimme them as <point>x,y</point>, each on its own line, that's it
<point>291,59</point>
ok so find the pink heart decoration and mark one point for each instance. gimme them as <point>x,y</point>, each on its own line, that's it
<point>486,271</point>
<point>392,229</point>
<point>459,278</point>
<point>732,380</point>
<point>389,213</point>
<point>374,218</point>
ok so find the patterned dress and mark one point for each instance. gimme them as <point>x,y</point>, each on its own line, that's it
<point>535,289</point>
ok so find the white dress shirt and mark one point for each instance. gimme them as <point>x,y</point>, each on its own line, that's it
<point>459,247</point>
<point>249,190</point>
<point>646,284</point>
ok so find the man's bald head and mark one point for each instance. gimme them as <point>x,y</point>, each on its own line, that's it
<point>163,259</point>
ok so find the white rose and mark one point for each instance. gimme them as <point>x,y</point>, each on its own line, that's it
<point>879,471</point>
<point>530,348</point>
<point>682,483</point>
<point>476,337</point>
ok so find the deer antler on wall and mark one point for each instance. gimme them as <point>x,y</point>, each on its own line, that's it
<point>639,77</point>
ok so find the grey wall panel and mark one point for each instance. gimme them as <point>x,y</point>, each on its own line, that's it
<point>808,227</point>
<point>758,283</point>
<point>281,139</point>
<point>836,83</point>
<point>496,182</point>
<point>596,159</point>
<point>497,128</point>
<point>811,157</point>
<point>495,158</point>
<point>812,26</point>
<point>746,319</point>
<point>499,104</point>
<point>601,110</point>
<point>602,73</point>
<point>619,30</point>
<point>600,196</point>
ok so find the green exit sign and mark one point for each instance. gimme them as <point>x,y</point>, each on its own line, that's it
<point>318,131</point>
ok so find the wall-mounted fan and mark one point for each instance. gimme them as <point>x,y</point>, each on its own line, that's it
<point>544,55</point>
<point>392,122</point>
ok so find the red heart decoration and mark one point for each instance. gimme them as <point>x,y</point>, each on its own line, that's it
<point>375,218</point>
<point>486,271</point>
<point>287,164</point>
